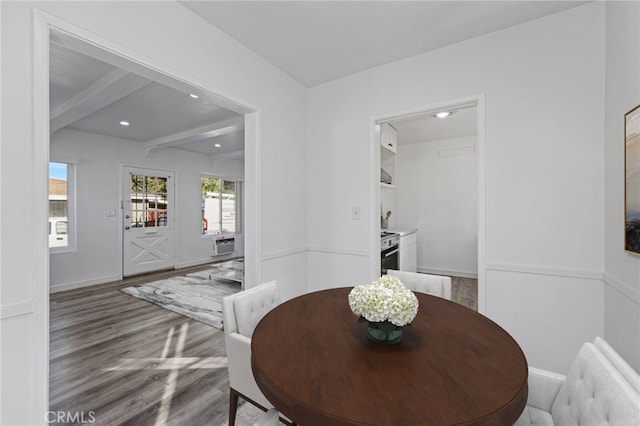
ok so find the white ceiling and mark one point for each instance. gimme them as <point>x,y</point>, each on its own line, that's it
<point>426,127</point>
<point>312,41</point>
<point>319,41</point>
<point>94,96</point>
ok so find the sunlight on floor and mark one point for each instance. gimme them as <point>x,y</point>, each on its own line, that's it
<point>181,363</point>
<point>170,386</point>
<point>174,364</point>
<point>167,343</point>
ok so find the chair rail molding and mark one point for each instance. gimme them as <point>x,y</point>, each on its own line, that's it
<point>607,278</point>
<point>277,254</point>
<point>17,309</point>
<point>338,251</point>
<point>545,270</point>
<point>624,288</point>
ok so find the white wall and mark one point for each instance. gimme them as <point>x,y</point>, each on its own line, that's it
<point>438,194</point>
<point>174,40</point>
<point>543,83</point>
<point>622,277</point>
<point>98,255</point>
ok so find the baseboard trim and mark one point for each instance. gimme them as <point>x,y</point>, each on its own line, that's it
<point>622,287</point>
<point>86,283</point>
<point>96,281</point>
<point>16,309</point>
<point>435,271</point>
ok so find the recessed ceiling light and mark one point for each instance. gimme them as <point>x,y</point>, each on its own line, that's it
<point>442,114</point>
<point>217,145</point>
<point>194,96</point>
<point>124,123</point>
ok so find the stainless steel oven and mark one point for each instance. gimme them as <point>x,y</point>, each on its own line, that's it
<point>389,251</point>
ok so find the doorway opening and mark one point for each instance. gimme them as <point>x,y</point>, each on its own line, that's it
<point>429,188</point>
<point>130,73</point>
<point>99,98</point>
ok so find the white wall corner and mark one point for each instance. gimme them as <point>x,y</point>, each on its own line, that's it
<point>633,293</point>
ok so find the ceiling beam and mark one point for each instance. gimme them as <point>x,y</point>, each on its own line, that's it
<point>192,135</point>
<point>105,91</point>
<point>233,155</point>
<point>71,42</point>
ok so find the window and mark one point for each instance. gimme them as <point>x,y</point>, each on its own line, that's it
<point>221,206</point>
<point>61,205</point>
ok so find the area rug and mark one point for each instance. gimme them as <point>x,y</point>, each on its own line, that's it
<point>192,295</point>
<point>246,415</point>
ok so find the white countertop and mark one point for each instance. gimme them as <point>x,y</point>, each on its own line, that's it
<point>402,231</point>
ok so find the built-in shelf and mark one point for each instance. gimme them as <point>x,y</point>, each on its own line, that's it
<point>387,186</point>
<point>388,137</point>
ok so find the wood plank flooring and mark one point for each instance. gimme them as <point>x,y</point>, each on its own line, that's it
<point>465,292</point>
<point>122,361</point>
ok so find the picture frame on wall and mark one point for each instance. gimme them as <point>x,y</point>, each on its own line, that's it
<point>632,180</point>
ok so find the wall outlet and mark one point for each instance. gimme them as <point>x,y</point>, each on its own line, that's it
<point>355,213</point>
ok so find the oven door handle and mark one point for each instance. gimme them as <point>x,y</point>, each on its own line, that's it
<point>392,251</point>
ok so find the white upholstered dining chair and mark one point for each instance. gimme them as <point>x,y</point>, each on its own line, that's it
<point>599,389</point>
<point>436,285</point>
<point>241,313</point>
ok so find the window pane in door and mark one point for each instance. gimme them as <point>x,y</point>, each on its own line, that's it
<point>137,188</point>
<point>149,201</point>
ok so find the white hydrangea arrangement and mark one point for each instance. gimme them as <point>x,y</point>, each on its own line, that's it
<point>385,299</point>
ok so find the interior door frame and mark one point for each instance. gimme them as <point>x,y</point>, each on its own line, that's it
<point>43,23</point>
<point>374,135</point>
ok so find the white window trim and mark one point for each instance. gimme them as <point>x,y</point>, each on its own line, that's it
<point>239,206</point>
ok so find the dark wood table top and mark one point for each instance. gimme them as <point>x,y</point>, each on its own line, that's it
<point>312,359</point>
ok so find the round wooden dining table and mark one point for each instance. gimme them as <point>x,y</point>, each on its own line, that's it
<point>313,361</point>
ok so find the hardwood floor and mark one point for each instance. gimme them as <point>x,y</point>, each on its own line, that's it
<point>465,292</point>
<point>122,361</point>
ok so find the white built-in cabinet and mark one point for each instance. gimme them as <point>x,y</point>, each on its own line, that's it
<point>388,151</point>
<point>408,259</point>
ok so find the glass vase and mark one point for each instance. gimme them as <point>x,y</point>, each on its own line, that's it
<point>386,333</point>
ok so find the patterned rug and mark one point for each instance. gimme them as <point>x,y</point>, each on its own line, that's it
<point>192,295</point>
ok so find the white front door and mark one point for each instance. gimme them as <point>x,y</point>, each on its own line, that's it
<point>148,221</point>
